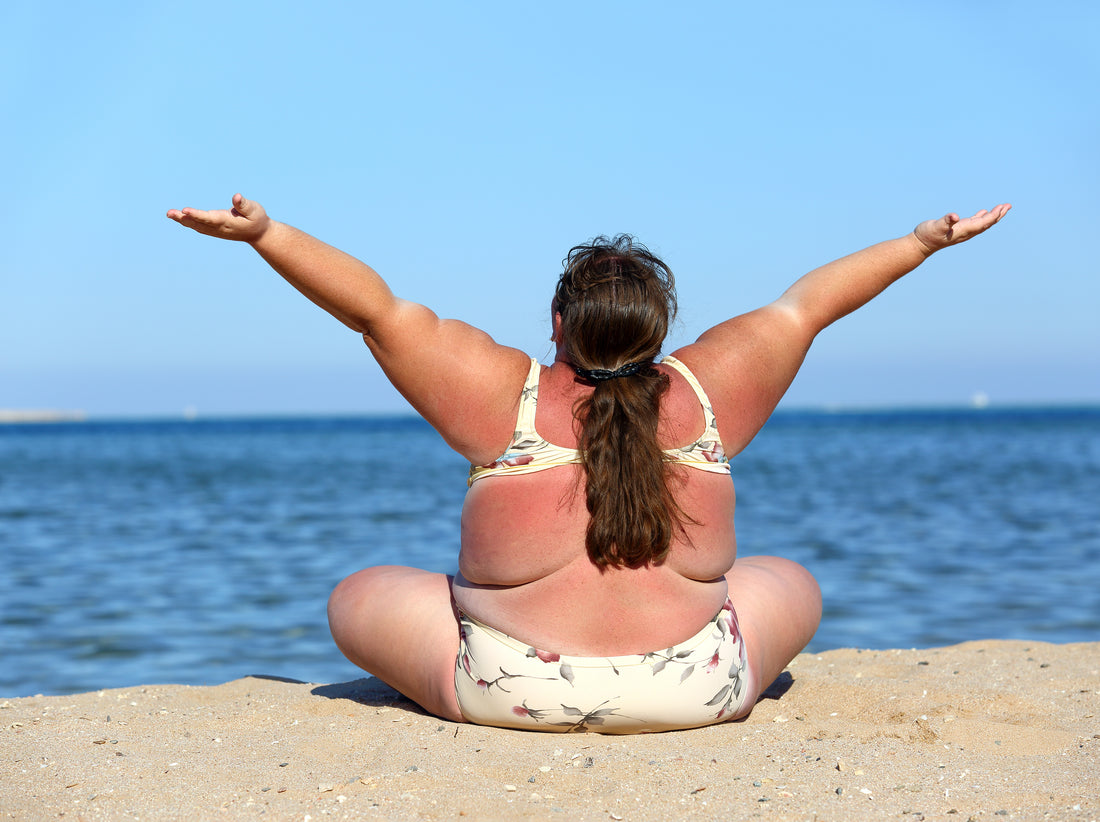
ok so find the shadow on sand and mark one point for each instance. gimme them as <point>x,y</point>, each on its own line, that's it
<point>367,691</point>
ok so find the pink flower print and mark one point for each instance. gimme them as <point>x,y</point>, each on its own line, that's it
<point>731,620</point>
<point>531,713</point>
<point>520,459</point>
<point>712,664</point>
<point>545,656</point>
<point>713,452</point>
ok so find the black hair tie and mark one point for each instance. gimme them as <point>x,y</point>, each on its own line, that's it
<point>602,374</point>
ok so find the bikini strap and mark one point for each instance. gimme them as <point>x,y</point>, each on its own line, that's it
<point>683,371</point>
<point>528,400</point>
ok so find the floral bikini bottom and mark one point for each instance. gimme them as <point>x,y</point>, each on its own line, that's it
<point>504,682</point>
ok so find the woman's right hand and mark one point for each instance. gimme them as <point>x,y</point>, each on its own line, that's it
<point>246,221</point>
<point>951,229</point>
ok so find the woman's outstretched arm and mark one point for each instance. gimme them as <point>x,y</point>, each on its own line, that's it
<point>828,293</point>
<point>453,374</point>
<point>345,287</point>
<point>749,361</point>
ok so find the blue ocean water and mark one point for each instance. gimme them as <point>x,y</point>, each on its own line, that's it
<point>199,552</point>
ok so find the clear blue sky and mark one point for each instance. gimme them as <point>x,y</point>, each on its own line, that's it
<point>461,149</point>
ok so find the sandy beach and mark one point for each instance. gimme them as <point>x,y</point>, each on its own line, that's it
<point>997,729</point>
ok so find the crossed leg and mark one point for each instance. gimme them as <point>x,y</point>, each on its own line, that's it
<point>399,624</point>
<point>778,606</point>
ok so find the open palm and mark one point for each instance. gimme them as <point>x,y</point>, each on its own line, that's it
<point>951,229</point>
<point>246,221</point>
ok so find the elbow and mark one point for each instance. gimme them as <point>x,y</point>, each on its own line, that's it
<point>797,320</point>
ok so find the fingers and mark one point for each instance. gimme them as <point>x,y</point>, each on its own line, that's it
<point>979,222</point>
<point>986,218</point>
<point>245,221</point>
<point>952,229</point>
<point>992,215</point>
<point>242,206</point>
<point>199,215</point>
<point>182,214</point>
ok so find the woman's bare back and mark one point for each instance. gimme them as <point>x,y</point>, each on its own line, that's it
<point>523,564</point>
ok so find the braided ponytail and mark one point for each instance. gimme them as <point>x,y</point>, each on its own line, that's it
<point>616,300</point>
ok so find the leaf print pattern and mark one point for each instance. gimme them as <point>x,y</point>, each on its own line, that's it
<point>566,672</point>
<point>501,681</point>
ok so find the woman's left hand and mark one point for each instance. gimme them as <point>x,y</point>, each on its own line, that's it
<point>246,221</point>
<point>952,229</point>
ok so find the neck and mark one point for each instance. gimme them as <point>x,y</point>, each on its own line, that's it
<point>560,355</point>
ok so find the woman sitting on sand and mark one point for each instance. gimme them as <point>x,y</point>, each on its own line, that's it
<point>597,587</point>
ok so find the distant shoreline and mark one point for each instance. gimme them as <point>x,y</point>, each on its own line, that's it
<point>14,416</point>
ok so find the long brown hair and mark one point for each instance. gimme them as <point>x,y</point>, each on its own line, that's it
<point>616,299</point>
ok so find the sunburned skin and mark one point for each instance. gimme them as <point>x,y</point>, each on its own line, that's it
<point>523,564</point>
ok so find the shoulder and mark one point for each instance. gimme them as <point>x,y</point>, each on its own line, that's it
<point>745,366</point>
<point>476,410</point>
<point>457,378</point>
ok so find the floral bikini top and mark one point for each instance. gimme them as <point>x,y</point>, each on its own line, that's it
<point>529,452</point>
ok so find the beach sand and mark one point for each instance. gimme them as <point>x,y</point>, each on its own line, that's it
<point>997,730</point>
